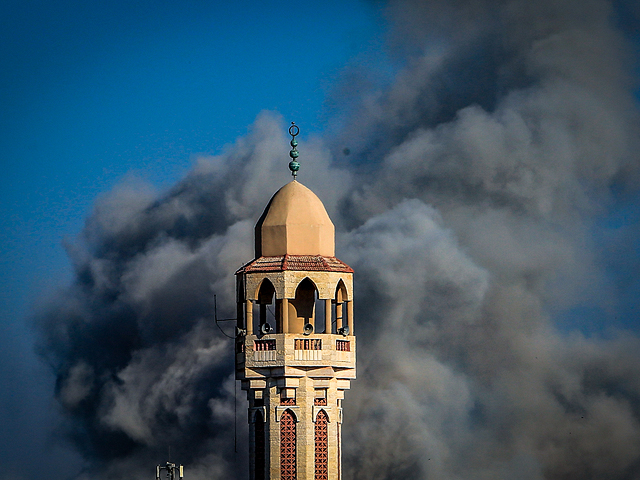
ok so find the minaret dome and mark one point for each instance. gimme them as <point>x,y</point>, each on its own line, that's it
<point>294,222</point>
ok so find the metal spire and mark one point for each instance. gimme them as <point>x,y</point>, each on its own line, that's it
<point>294,166</point>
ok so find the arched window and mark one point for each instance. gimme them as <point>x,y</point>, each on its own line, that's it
<point>322,447</point>
<point>287,446</point>
<point>259,447</point>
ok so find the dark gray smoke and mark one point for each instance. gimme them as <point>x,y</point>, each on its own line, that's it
<point>142,370</point>
<point>476,181</point>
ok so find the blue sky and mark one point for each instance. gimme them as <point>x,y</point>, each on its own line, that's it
<point>93,91</point>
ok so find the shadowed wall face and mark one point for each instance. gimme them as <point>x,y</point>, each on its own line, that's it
<point>472,206</point>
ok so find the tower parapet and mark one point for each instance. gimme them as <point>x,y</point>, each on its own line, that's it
<point>296,351</point>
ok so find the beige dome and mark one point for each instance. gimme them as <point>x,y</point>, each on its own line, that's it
<point>295,222</point>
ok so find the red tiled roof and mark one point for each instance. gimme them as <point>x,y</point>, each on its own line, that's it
<point>314,263</point>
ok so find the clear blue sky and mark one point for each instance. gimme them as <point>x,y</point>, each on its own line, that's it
<point>93,91</point>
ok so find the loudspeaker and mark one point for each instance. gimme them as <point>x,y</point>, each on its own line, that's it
<point>308,329</point>
<point>344,331</point>
<point>265,328</point>
<point>240,332</point>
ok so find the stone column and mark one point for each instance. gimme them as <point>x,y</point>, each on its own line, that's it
<point>339,315</point>
<point>312,320</point>
<point>327,316</point>
<point>285,315</point>
<point>249,317</point>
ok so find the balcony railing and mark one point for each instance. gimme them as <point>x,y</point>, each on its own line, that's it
<point>307,349</point>
<point>264,350</point>
<point>308,344</point>
<point>316,348</point>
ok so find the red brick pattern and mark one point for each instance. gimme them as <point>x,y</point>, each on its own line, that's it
<point>287,446</point>
<point>322,447</point>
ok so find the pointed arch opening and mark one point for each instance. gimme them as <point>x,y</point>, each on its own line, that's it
<point>302,307</point>
<point>339,320</point>
<point>266,299</point>
<point>341,291</point>
<point>287,445</point>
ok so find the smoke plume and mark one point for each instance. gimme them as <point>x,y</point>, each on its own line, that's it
<point>467,207</point>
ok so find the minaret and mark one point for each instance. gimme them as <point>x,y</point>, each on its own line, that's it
<point>295,349</point>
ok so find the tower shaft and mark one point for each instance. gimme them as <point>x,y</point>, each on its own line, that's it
<point>295,376</point>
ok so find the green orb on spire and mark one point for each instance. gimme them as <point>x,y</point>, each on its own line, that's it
<point>294,166</point>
